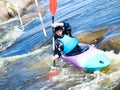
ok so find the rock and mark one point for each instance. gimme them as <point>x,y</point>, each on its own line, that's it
<point>117,87</point>
<point>92,37</point>
<point>111,39</point>
<point>11,8</point>
<point>106,38</point>
<point>111,44</point>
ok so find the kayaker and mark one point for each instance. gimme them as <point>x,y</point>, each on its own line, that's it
<point>65,43</point>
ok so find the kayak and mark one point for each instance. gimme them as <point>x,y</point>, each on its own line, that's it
<point>90,58</point>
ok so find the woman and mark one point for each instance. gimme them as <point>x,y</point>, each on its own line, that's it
<point>64,42</point>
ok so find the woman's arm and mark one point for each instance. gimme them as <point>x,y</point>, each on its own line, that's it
<point>58,47</point>
<point>67,29</point>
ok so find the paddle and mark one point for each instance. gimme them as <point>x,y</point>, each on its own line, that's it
<point>53,7</point>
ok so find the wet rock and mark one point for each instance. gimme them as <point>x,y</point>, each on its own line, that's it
<point>101,41</point>
<point>92,37</point>
<point>117,87</point>
<point>111,44</point>
<point>28,13</point>
<point>3,14</point>
<point>111,40</point>
<point>11,8</point>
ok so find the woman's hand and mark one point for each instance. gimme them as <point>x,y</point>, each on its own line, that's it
<point>55,57</point>
<point>57,24</point>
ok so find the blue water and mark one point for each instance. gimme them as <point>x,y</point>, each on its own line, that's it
<point>83,16</point>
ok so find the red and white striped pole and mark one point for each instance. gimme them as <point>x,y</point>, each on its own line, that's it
<point>40,17</point>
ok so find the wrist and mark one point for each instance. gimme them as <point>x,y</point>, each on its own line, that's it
<point>61,24</point>
<point>55,57</point>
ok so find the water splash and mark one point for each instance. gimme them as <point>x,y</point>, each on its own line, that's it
<point>9,37</point>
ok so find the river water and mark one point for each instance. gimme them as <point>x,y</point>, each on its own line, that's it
<point>26,56</point>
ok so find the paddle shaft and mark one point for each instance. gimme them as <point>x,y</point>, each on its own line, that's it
<point>53,7</point>
<point>53,40</point>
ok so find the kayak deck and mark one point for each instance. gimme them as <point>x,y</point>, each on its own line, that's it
<point>91,59</point>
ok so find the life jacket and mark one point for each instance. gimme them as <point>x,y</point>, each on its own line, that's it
<point>69,43</point>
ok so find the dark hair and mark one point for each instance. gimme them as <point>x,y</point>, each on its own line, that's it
<point>58,28</point>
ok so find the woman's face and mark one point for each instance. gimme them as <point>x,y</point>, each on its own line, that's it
<point>59,32</point>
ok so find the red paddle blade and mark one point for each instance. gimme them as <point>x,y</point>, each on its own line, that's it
<point>53,6</point>
<point>54,72</point>
<point>51,74</point>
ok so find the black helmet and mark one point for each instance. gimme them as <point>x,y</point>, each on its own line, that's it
<point>58,28</point>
